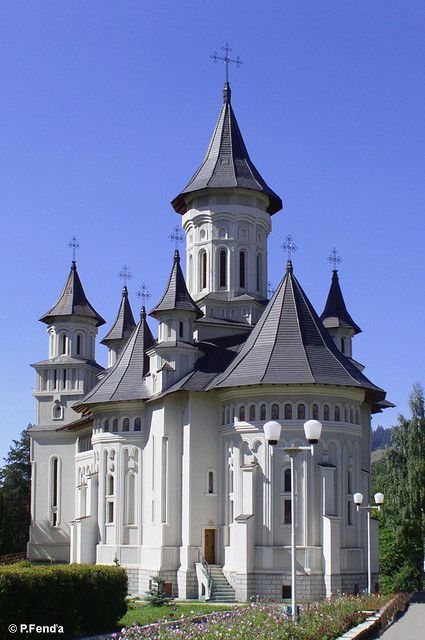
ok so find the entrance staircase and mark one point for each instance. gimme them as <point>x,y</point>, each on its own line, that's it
<point>221,590</point>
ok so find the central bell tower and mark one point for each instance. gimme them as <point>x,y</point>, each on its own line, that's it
<point>226,209</point>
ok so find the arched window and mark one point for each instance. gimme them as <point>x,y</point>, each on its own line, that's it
<point>110,485</point>
<point>222,279</point>
<point>130,495</point>
<point>210,482</point>
<point>275,412</point>
<point>288,411</point>
<point>252,413</point>
<point>326,412</point>
<point>315,412</point>
<point>190,279</point>
<point>352,415</point>
<point>126,424</point>
<point>202,270</point>
<point>62,344</point>
<point>181,329</point>
<point>115,424</point>
<point>287,481</point>
<point>337,414</point>
<point>79,341</point>
<point>301,412</point>
<point>57,410</point>
<point>242,413</point>
<point>54,491</point>
<point>242,269</point>
<point>346,416</point>
<point>106,425</point>
<point>263,412</point>
<point>258,274</point>
<point>137,424</point>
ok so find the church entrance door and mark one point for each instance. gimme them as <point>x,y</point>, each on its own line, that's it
<point>210,546</point>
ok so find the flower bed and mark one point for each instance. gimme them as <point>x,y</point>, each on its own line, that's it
<point>259,621</point>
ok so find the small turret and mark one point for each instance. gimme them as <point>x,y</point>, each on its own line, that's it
<point>71,368</point>
<point>121,330</point>
<point>336,318</point>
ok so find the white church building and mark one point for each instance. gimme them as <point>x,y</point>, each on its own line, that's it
<point>159,462</point>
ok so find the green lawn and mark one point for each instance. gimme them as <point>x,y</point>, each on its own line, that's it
<point>141,614</point>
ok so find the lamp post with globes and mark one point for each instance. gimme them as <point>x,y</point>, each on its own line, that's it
<point>312,430</point>
<point>379,500</point>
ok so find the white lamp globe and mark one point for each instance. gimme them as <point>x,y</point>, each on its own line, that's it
<point>358,498</point>
<point>379,498</point>
<point>272,431</point>
<point>312,430</point>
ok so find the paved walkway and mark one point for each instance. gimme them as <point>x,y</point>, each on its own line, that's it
<point>411,626</point>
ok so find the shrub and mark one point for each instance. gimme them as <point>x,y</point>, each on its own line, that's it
<point>156,594</point>
<point>84,599</point>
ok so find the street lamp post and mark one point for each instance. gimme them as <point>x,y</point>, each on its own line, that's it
<point>272,431</point>
<point>379,500</point>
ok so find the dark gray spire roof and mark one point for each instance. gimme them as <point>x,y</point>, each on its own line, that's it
<point>125,380</point>
<point>176,295</point>
<point>289,345</point>
<point>72,301</point>
<point>335,313</point>
<point>124,322</point>
<point>227,163</point>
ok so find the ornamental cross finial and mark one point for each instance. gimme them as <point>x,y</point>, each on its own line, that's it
<point>226,59</point>
<point>335,258</point>
<point>289,246</point>
<point>74,245</point>
<point>143,294</point>
<point>125,274</point>
<point>176,236</point>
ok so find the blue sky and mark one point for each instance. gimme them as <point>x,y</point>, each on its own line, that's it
<point>106,109</point>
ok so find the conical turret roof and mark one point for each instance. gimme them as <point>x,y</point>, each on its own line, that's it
<point>72,301</point>
<point>227,163</point>
<point>335,313</point>
<point>176,296</point>
<point>125,380</point>
<point>124,322</point>
<point>289,345</point>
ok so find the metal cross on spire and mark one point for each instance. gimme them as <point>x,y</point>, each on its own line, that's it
<point>226,59</point>
<point>335,258</point>
<point>176,236</point>
<point>125,274</point>
<point>289,246</point>
<point>74,245</point>
<point>143,294</point>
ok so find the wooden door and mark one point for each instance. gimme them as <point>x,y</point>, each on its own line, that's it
<point>210,546</point>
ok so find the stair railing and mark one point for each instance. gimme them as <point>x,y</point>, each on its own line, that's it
<point>206,571</point>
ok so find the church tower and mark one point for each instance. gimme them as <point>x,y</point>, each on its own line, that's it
<point>71,368</point>
<point>337,320</point>
<point>121,330</point>
<point>227,209</point>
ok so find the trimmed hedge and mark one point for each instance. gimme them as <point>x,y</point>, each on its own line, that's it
<point>84,599</point>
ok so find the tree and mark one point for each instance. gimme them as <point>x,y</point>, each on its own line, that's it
<point>380,438</point>
<point>156,594</point>
<point>15,476</point>
<point>400,475</point>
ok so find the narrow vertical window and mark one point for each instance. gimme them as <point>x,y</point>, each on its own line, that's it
<point>63,344</point>
<point>181,329</point>
<point>288,411</point>
<point>130,495</point>
<point>242,413</point>
<point>301,412</point>
<point>263,412</point>
<point>106,426</point>
<point>211,482</point>
<point>287,481</point>
<point>252,413</point>
<point>337,414</point>
<point>326,412</point>
<point>242,269</point>
<point>222,269</point>
<point>315,412</point>
<point>126,424</point>
<point>275,412</point>
<point>78,345</point>
<point>287,511</point>
<point>55,378</point>
<point>342,345</point>
<point>203,270</point>
<point>349,512</point>
<point>137,424</point>
<point>64,379</point>
<point>258,274</point>
<point>54,492</point>
<point>115,424</point>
